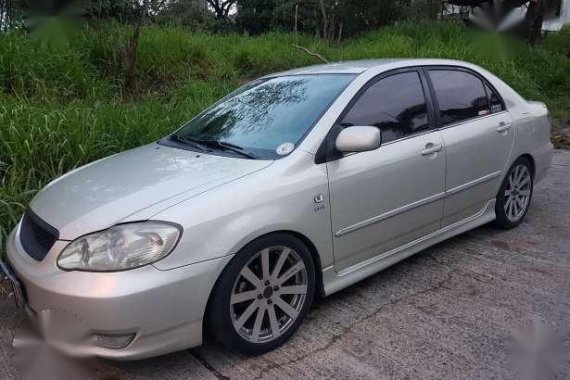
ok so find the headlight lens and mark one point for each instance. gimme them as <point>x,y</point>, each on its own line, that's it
<point>124,246</point>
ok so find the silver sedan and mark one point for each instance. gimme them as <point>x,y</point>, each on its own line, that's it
<point>298,184</point>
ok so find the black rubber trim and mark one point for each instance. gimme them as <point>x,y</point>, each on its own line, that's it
<point>36,235</point>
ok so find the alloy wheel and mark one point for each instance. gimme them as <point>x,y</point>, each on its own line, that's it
<point>268,294</point>
<point>517,193</point>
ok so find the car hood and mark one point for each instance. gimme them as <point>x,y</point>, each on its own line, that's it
<point>133,185</point>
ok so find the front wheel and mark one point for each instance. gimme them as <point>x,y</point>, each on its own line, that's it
<point>263,294</point>
<point>514,195</point>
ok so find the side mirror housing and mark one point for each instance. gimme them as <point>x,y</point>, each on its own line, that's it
<point>358,139</point>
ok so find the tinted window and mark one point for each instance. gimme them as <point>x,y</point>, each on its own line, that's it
<point>395,104</point>
<point>267,113</point>
<point>494,100</point>
<point>460,95</point>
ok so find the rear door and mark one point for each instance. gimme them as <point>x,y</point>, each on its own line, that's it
<point>478,137</point>
<point>385,198</point>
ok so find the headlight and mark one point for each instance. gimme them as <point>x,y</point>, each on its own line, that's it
<point>124,246</point>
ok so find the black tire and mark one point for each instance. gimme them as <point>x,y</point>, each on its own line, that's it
<point>503,221</point>
<point>220,313</point>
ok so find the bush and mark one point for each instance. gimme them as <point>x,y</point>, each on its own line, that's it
<point>31,70</point>
<point>558,42</point>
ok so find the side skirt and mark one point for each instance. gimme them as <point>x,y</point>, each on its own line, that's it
<point>334,281</point>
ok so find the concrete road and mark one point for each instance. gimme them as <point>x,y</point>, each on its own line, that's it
<point>455,311</point>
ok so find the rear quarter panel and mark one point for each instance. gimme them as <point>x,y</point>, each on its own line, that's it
<point>531,126</point>
<point>532,136</point>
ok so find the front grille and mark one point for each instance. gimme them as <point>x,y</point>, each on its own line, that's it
<point>36,235</point>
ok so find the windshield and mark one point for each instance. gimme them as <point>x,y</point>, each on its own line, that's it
<point>265,119</point>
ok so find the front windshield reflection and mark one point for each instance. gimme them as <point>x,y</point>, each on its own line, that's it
<point>267,113</point>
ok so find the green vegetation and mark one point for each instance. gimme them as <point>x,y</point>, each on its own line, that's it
<point>559,42</point>
<point>62,106</point>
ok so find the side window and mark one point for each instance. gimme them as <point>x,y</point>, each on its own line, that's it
<point>494,100</point>
<point>460,95</point>
<point>395,104</point>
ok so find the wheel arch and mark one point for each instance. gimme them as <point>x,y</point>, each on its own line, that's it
<point>305,239</point>
<point>502,220</point>
<point>319,286</point>
<point>530,158</point>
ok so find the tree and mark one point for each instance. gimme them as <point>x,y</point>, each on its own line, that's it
<point>329,19</point>
<point>121,10</point>
<point>142,9</point>
<point>190,13</point>
<point>222,8</point>
<point>255,16</point>
<point>6,14</point>
<point>534,19</point>
<point>349,17</point>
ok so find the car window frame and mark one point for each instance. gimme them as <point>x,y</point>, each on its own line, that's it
<point>488,88</point>
<point>327,151</point>
<point>484,81</point>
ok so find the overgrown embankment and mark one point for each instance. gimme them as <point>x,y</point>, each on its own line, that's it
<point>64,105</point>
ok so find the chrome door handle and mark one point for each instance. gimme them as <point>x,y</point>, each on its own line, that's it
<point>431,149</point>
<point>503,127</point>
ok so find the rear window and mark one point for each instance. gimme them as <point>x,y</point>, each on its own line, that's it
<point>460,95</point>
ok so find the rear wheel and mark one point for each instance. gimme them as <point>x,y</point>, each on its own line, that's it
<point>514,195</point>
<point>263,295</point>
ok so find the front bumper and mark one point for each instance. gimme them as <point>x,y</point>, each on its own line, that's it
<point>164,309</point>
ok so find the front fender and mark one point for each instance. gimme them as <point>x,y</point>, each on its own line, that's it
<point>222,221</point>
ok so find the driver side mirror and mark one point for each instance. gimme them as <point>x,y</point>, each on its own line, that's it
<point>358,139</point>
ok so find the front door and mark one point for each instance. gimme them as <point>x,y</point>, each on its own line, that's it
<point>388,197</point>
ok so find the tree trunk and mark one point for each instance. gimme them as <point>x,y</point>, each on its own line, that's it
<point>332,28</point>
<point>497,5</point>
<point>325,19</point>
<point>295,25</point>
<point>131,52</point>
<point>317,28</point>
<point>534,18</point>
<point>131,55</point>
<point>218,10</point>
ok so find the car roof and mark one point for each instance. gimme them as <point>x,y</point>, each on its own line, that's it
<point>358,67</point>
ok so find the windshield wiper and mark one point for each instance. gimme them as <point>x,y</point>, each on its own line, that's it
<point>205,144</point>
<point>225,146</point>
<point>191,141</point>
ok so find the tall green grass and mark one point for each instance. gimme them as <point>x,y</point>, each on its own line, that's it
<point>62,107</point>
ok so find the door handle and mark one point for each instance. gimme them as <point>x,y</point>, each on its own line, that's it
<point>503,127</point>
<point>431,148</point>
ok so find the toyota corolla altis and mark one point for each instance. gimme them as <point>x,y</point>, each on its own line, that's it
<point>298,184</point>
